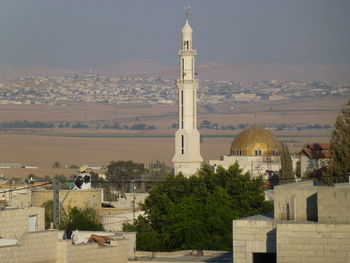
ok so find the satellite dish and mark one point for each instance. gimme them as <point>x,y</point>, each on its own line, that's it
<point>83,168</point>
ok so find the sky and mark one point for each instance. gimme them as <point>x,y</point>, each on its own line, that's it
<point>91,33</point>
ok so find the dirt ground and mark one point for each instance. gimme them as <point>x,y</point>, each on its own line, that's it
<point>43,147</point>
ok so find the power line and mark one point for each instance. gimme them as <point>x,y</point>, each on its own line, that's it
<point>23,188</point>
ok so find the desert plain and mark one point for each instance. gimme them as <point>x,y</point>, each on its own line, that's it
<point>97,147</point>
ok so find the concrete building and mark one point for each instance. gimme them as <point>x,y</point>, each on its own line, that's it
<point>256,150</point>
<point>73,198</point>
<point>310,223</point>
<point>187,158</point>
<point>23,239</point>
<point>314,156</point>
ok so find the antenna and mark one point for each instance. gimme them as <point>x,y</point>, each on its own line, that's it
<point>187,12</point>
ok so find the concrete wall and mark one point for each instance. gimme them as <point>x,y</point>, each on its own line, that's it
<point>251,236</point>
<point>313,243</point>
<point>75,198</point>
<point>334,205</point>
<point>15,222</point>
<point>83,237</point>
<point>117,252</point>
<point>32,247</point>
<point>294,201</point>
<point>44,246</point>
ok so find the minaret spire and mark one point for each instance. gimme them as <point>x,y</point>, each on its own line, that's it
<point>187,157</point>
<point>187,12</point>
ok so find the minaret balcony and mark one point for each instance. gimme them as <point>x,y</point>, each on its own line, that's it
<point>192,52</point>
<point>185,82</point>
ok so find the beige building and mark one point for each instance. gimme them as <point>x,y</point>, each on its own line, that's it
<point>256,150</point>
<point>314,156</point>
<point>73,198</point>
<point>310,224</point>
<point>23,239</point>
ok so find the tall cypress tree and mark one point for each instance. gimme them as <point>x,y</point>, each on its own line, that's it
<point>286,172</point>
<point>339,163</point>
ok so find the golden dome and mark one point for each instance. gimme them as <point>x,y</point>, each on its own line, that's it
<point>255,141</point>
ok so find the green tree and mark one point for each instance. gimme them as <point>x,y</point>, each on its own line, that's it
<point>48,205</point>
<point>197,212</point>
<point>81,219</point>
<point>122,172</point>
<point>286,172</point>
<point>56,165</point>
<point>339,163</point>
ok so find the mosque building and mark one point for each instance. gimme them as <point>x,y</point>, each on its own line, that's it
<point>187,158</point>
<point>256,150</point>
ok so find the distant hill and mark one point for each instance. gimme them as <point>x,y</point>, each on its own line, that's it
<point>214,71</point>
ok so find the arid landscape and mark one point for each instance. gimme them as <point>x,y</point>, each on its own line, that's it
<point>97,147</point>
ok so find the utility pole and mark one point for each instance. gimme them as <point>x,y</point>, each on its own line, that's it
<point>56,203</point>
<point>134,200</point>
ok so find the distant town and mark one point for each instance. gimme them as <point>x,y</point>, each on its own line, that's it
<point>55,90</point>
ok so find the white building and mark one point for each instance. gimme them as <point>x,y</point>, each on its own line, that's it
<point>256,150</point>
<point>187,159</point>
<point>314,156</point>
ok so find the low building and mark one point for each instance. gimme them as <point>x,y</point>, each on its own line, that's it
<point>314,156</point>
<point>73,198</point>
<point>23,238</point>
<point>310,223</point>
<point>256,150</point>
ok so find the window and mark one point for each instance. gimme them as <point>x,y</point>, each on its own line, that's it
<point>182,109</point>
<point>257,152</point>
<point>274,152</point>
<point>182,144</point>
<point>239,152</point>
<point>33,223</point>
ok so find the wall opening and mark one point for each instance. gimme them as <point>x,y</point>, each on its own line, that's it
<point>182,144</point>
<point>33,223</point>
<point>264,258</point>
<point>182,108</point>
<point>311,208</point>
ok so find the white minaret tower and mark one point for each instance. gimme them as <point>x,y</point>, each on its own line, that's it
<point>187,157</point>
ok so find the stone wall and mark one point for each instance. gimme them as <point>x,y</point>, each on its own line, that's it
<point>44,246</point>
<point>15,222</point>
<point>79,198</point>
<point>32,247</point>
<point>313,243</point>
<point>117,252</point>
<point>294,202</point>
<point>334,205</point>
<point>251,236</point>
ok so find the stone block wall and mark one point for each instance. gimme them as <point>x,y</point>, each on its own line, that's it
<point>15,222</point>
<point>117,252</point>
<point>291,203</point>
<point>334,205</point>
<point>313,243</point>
<point>251,236</point>
<point>38,246</point>
<point>75,198</point>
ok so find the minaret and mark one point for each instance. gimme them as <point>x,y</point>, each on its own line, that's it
<point>187,157</point>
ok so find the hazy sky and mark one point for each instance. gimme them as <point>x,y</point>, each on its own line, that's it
<point>83,33</point>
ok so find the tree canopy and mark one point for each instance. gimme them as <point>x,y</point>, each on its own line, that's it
<point>78,218</point>
<point>124,171</point>
<point>197,212</point>
<point>339,163</point>
<point>286,172</point>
